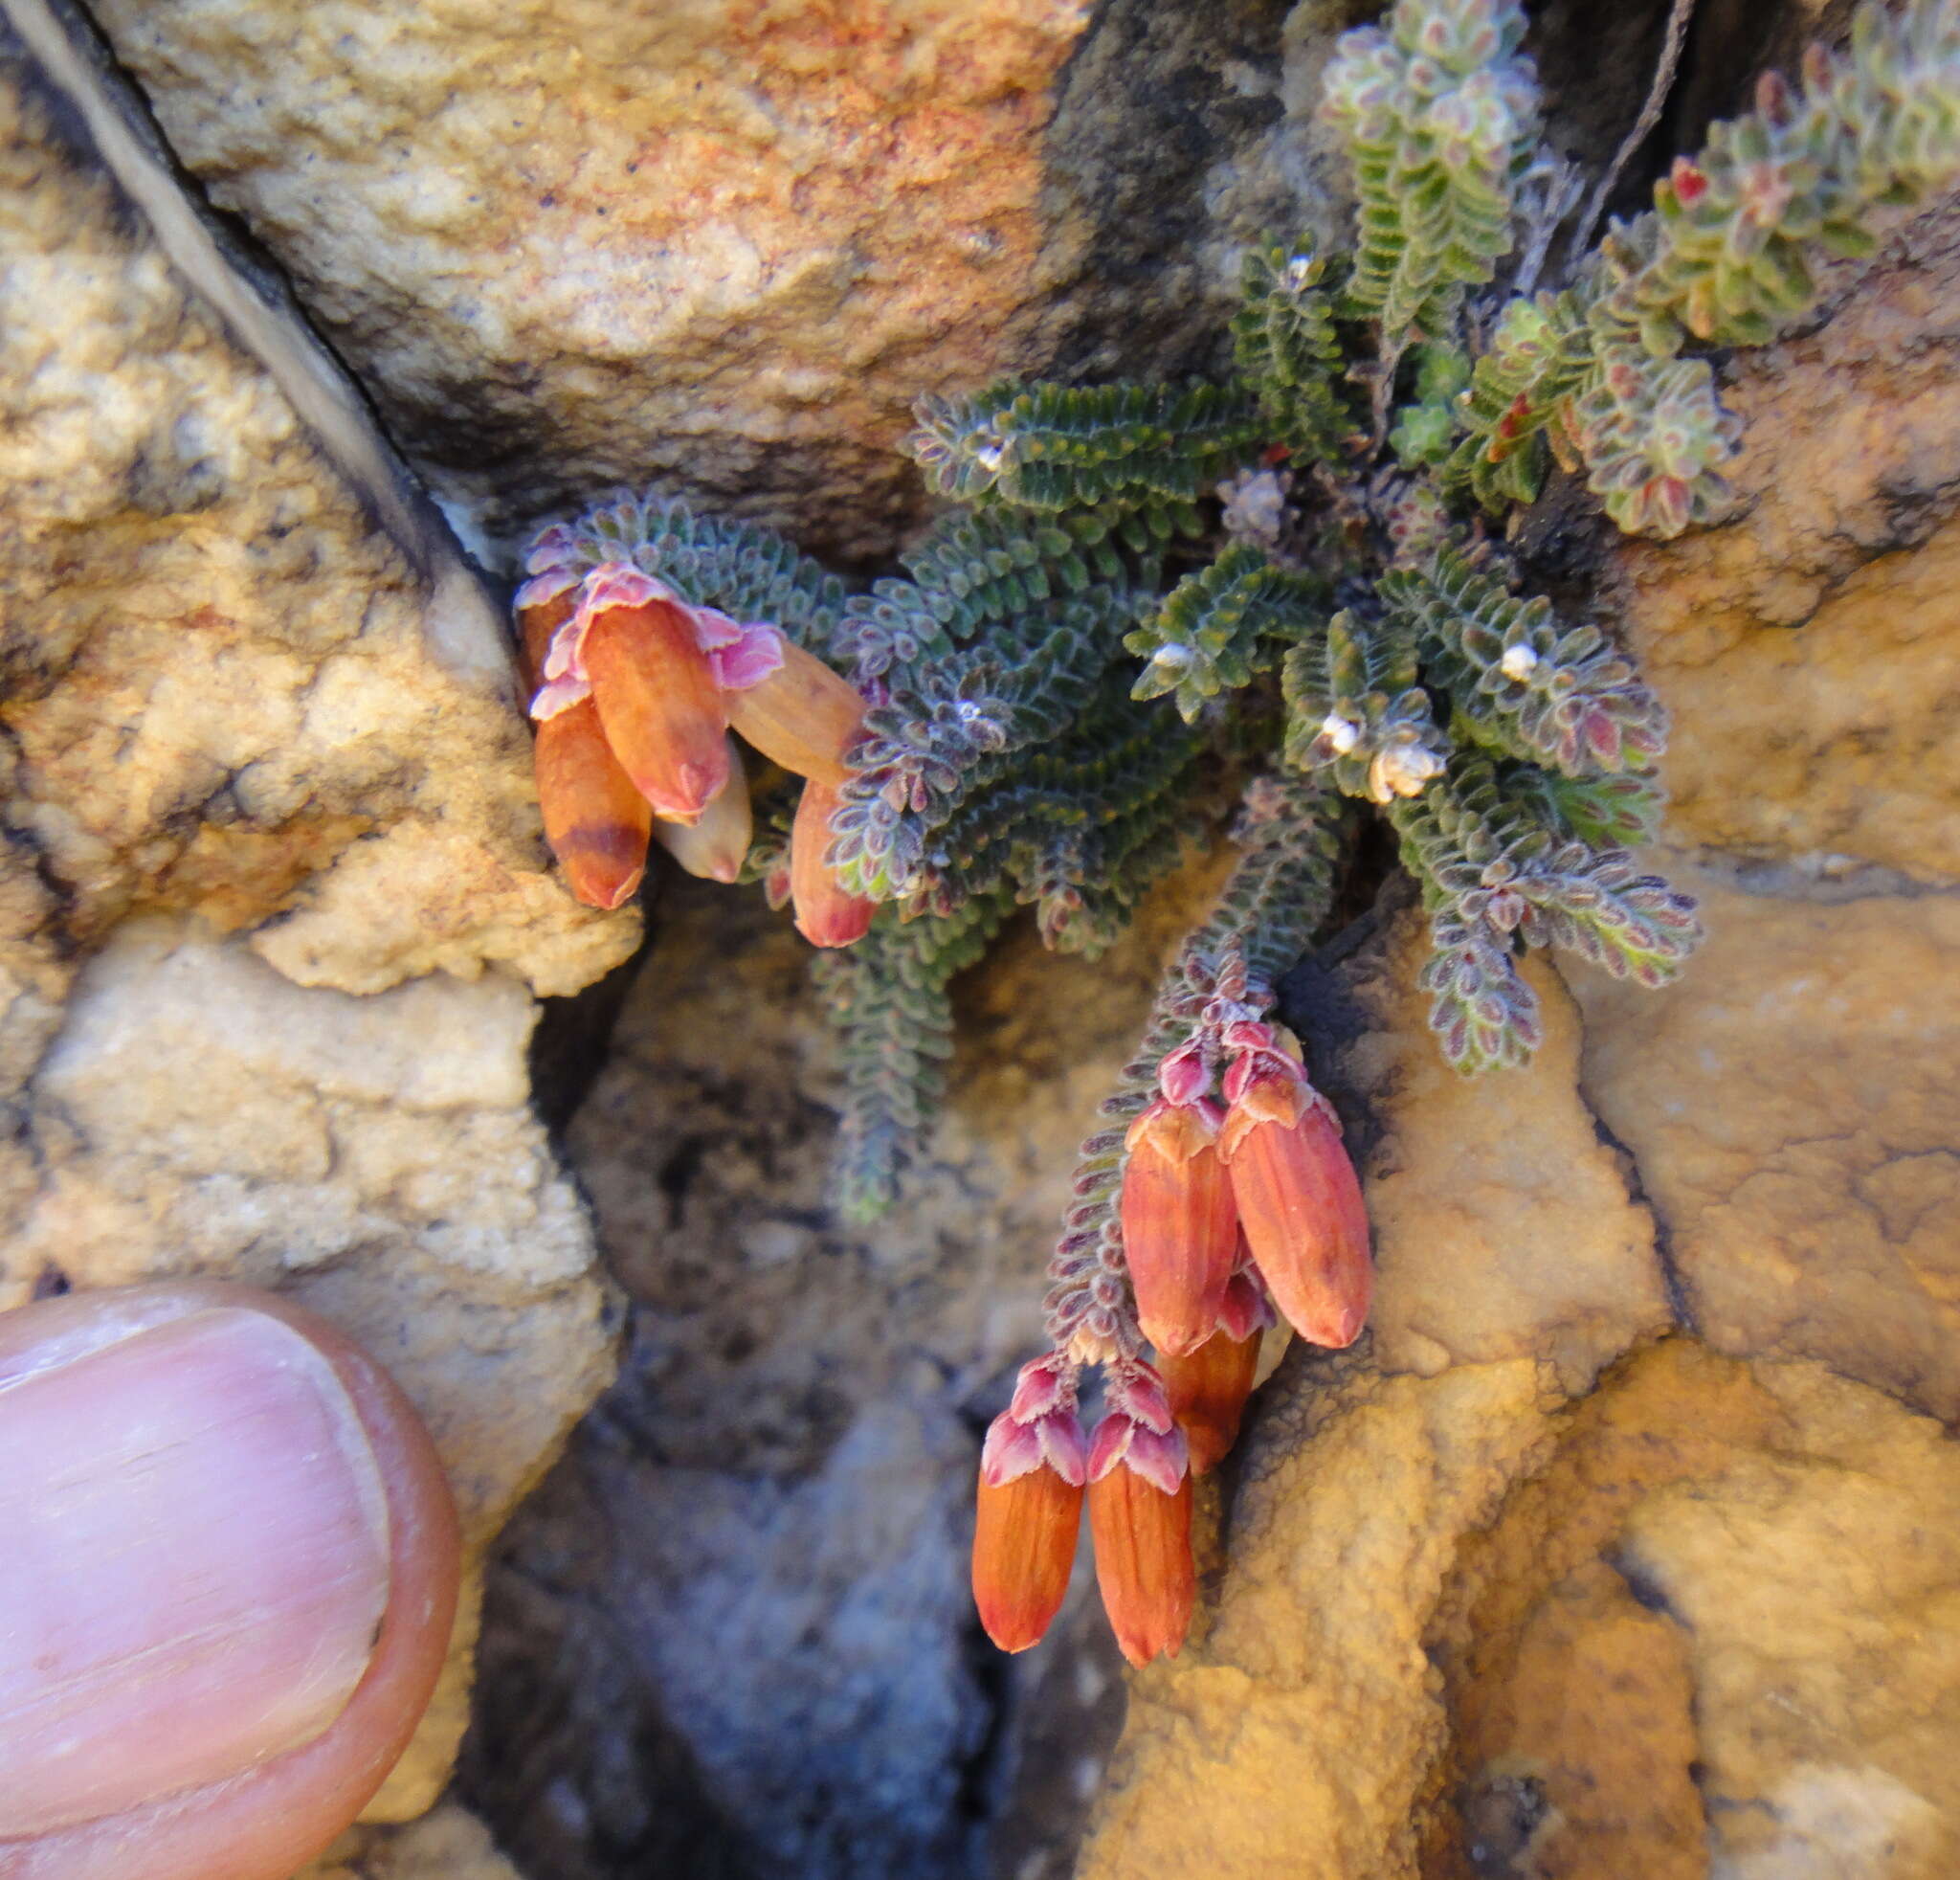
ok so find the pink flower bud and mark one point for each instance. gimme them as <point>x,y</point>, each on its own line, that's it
<point>1044,1384</point>
<point>1690,182</point>
<point>1297,1199</point>
<point>1183,1076</point>
<point>1180,1230</point>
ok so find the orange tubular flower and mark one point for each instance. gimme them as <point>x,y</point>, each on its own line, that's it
<point>537,620</point>
<point>1029,1512</point>
<point>827,914</point>
<point>1208,1392</point>
<point>1299,1201</point>
<point>1140,1519</point>
<point>658,702</point>
<point>801,714</point>
<point>1180,1228</point>
<point>714,847</point>
<point>595,820</point>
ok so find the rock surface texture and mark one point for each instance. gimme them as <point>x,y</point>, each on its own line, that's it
<point>1625,1543</point>
<point>721,246</point>
<point>274,904</point>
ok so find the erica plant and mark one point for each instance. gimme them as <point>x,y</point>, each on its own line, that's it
<point>1292,587</point>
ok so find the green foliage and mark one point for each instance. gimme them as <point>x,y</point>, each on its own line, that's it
<point>887,996</point>
<point>1286,350</point>
<point>1017,747</point>
<point>1739,229</point>
<point>1523,685</point>
<point>1049,447</point>
<point>1426,430</point>
<point>1357,713</point>
<point>1730,251</point>
<point>939,739</point>
<point>978,570</point>
<point>1221,625</point>
<point>1082,828</point>
<point>1618,810</point>
<point>1440,116</point>
<point>1499,871</point>
<point>1538,358</point>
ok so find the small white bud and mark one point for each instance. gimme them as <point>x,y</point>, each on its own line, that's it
<point>1172,655</point>
<point>1299,273</point>
<point>1342,733</point>
<point>1402,771</point>
<point>990,457</point>
<point>1519,663</point>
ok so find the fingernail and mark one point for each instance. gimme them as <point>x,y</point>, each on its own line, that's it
<point>193,1564</point>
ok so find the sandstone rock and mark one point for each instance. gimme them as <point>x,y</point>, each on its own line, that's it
<point>1698,1639</point>
<point>1810,651</point>
<point>1303,1728</point>
<point>570,246</point>
<point>1679,1629</point>
<point>1503,1226</point>
<point>1791,1105</point>
<point>229,691</point>
<point>724,247</point>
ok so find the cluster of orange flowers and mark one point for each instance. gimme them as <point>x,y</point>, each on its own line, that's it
<point>1228,1210</point>
<point>1237,1195</point>
<point>635,693</point>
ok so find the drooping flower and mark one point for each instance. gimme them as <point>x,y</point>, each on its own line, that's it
<point>1140,1499</point>
<point>1298,1198</point>
<point>828,914</point>
<point>1208,1388</point>
<point>797,711</point>
<point>642,656</point>
<point>714,847</point>
<point>595,822</point>
<point>1180,1231</point>
<point>1033,1467</point>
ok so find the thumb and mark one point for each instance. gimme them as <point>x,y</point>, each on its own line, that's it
<point>226,1582</point>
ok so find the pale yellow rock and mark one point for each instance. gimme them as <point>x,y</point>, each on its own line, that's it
<point>1503,1226</point>
<point>229,690</point>
<point>1791,1105</point>
<point>1700,1623</point>
<point>1815,1587</point>
<point>1298,1734</point>
<point>1810,651</point>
